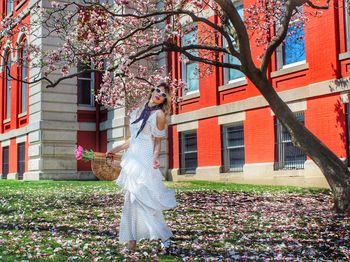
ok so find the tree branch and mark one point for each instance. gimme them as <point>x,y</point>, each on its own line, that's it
<point>245,56</point>
<point>279,37</point>
<point>176,48</point>
<point>311,4</point>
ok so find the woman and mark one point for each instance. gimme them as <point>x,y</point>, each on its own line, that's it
<point>145,195</point>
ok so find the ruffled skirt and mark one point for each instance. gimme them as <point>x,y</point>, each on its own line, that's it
<point>145,197</point>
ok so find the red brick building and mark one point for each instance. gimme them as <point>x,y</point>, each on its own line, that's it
<point>224,129</point>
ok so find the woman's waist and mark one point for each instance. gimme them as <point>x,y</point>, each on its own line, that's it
<point>141,147</point>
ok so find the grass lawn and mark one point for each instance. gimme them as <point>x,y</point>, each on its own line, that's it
<point>79,220</point>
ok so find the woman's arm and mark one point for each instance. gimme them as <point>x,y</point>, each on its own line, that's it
<point>157,140</point>
<point>121,147</point>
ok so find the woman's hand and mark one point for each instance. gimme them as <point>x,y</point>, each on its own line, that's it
<point>156,163</point>
<point>109,154</point>
<point>119,148</point>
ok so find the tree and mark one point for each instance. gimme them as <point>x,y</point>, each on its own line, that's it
<point>118,36</point>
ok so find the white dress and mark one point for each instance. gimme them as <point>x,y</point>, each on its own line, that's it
<point>145,195</point>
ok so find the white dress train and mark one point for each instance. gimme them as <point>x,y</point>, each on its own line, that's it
<point>145,195</point>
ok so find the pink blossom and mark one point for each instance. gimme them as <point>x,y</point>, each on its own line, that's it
<point>79,153</point>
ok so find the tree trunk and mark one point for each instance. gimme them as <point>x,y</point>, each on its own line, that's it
<point>335,171</point>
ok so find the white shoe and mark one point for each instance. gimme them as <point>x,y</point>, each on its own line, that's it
<point>165,244</point>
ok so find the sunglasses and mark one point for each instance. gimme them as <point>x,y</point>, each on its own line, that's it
<point>160,92</point>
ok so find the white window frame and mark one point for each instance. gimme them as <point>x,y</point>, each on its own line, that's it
<point>279,51</point>
<point>92,88</point>
<point>184,69</point>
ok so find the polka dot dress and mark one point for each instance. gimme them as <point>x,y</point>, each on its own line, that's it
<point>145,195</point>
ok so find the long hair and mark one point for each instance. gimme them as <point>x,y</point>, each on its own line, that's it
<point>166,105</point>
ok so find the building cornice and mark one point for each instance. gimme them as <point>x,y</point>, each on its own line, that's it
<point>301,93</point>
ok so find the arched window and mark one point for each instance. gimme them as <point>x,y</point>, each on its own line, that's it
<point>24,77</point>
<point>7,71</point>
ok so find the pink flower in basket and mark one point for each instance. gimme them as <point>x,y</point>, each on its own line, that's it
<point>81,154</point>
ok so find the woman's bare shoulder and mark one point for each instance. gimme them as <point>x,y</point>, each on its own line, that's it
<point>160,119</point>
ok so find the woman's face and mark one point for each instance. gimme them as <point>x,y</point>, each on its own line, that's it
<point>158,95</point>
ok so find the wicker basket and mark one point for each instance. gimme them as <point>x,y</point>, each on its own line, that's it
<point>106,168</point>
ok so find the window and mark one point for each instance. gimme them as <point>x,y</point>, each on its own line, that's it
<point>190,69</point>
<point>287,155</point>
<point>8,86</point>
<point>232,75</point>
<point>233,147</point>
<point>347,24</point>
<point>24,77</point>
<point>21,160</point>
<point>5,162</point>
<point>9,7</point>
<point>292,51</point>
<point>86,86</point>
<point>188,155</point>
<point>347,118</point>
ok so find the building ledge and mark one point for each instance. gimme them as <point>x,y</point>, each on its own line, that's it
<point>86,108</point>
<point>344,56</point>
<point>291,69</point>
<point>8,120</point>
<point>233,84</point>
<point>22,114</point>
<point>190,96</point>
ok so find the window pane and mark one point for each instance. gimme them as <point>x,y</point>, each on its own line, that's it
<point>190,142</point>
<point>191,68</point>
<point>9,6</point>
<point>236,158</point>
<point>235,136</point>
<point>293,154</point>
<point>188,155</point>
<point>191,161</point>
<point>233,148</point>
<point>84,92</point>
<point>8,87</point>
<point>294,47</point>
<point>240,10</point>
<point>191,38</point>
<point>21,160</point>
<point>82,67</point>
<point>5,162</point>
<point>24,85</point>
<point>192,78</point>
<point>288,156</point>
<point>347,24</point>
<point>233,73</point>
